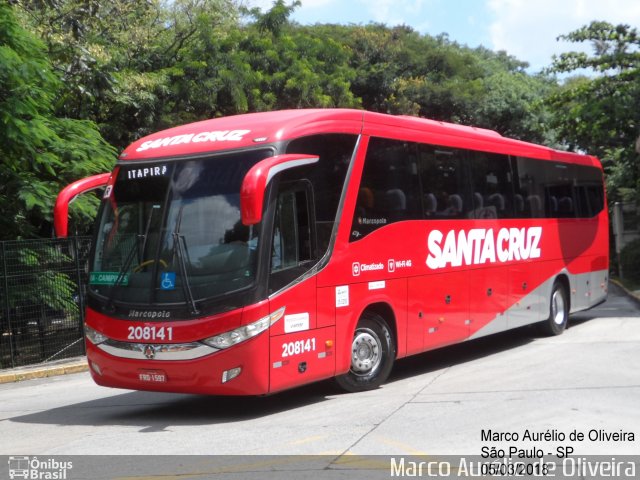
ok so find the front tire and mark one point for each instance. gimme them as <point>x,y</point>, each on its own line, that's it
<point>372,354</point>
<point>558,311</point>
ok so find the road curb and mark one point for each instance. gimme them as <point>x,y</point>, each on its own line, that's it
<point>43,371</point>
<point>632,296</point>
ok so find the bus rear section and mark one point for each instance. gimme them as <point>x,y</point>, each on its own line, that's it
<point>252,254</point>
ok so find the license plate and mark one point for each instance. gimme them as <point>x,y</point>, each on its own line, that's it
<point>153,376</point>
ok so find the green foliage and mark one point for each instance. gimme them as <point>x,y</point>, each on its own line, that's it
<point>597,114</point>
<point>399,71</point>
<point>630,261</point>
<point>48,286</point>
<point>134,67</point>
<point>118,59</point>
<point>40,152</point>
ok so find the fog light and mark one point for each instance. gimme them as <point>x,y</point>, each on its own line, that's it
<point>96,368</point>
<point>94,336</point>
<point>231,374</point>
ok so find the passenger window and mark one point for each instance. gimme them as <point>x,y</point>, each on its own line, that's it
<point>529,180</point>
<point>444,183</point>
<point>492,187</point>
<point>589,190</point>
<point>559,194</point>
<point>390,189</point>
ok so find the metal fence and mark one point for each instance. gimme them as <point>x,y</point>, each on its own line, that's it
<point>42,287</point>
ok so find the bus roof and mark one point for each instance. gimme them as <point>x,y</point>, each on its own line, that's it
<point>253,129</point>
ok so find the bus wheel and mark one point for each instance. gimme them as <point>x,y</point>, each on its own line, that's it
<point>558,311</point>
<point>372,355</point>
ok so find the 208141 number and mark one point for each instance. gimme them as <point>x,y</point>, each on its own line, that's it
<point>150,333</point>
<point>296,348</point>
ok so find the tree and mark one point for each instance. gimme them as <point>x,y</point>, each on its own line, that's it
<point>40,152</point>
<point>120,61</point>
<point>399,71</point>
<point>598,114</point>
<point>265,64</point>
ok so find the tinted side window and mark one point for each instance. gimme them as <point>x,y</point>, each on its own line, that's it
<point>492,187</point>
<point>389,189</point>
<point>590,191</point>
<point>529,180</point>
<point>292,244</point>
<point>559,192</point>
<point>445,186</point>
<point>327,177</point>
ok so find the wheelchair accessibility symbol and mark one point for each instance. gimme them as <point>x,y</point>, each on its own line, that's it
<point>168,281</point>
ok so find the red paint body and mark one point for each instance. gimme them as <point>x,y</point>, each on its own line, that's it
<point>426,307</point>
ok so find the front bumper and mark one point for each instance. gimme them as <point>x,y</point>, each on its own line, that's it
<point>122,365</point>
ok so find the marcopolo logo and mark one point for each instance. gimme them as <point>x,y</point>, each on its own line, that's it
<point>38,469</point>
<point>149,314</point>
<point>479,245</point>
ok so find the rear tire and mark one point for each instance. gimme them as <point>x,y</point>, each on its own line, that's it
<point>558,311</point>
<point>372,354</point>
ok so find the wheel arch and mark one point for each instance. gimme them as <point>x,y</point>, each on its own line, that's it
<point>385,310</point>
<point>563,279</point>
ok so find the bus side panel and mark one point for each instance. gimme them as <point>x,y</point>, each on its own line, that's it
<point>299,302</point>
<point>599,282</point>
<point>327,302</point>
<point>359,296</point>
<point>489,298</point>
<point>525,294</point>
<point>299,351</point>
<point>302,357</point>
<point>440,303</point>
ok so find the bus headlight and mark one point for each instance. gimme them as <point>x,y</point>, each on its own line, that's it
<point>94,336</point>
<point>239,335</point>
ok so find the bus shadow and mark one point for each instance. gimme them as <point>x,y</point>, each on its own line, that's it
<point>618,305</point>
<point>461,353</point>
<point>153,412</point>
<point>156,412</point>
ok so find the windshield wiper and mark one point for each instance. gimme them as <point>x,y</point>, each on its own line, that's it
<point>127,262</point>
<point>180,251</point>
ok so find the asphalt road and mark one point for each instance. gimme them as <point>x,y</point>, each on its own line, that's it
<point>586,381</point>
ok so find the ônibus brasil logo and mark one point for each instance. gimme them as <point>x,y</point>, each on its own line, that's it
<point>34,468</point>
<point>480,245</point>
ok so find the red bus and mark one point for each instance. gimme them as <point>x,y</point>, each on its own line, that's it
<point>250,254</point>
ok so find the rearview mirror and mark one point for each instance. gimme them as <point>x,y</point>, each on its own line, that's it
<point>256,180</point>
<point>68,194</point>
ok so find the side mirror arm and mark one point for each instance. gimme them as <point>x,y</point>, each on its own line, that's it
<point>256,180</point>
<point>68,195</point>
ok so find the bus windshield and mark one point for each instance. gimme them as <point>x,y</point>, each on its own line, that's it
<point>171,232</point>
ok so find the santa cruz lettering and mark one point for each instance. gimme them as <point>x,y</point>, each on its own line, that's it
<point>480,245</point>
<point>215,136</point>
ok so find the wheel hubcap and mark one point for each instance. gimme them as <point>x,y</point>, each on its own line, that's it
<point>366,352</point>
<point>557,308</point>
